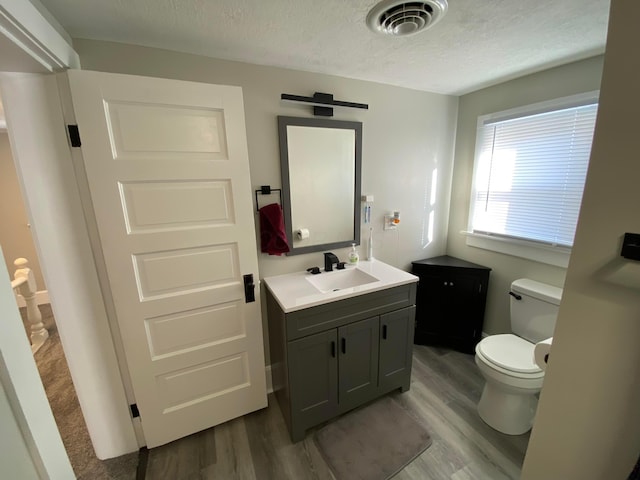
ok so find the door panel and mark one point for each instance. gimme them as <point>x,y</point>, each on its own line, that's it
<point>189,131</point>
<point>176,272</point>
<point>164,206</point>
<point>358,362</point>
<point>198,328</point>
<point>167,168</point>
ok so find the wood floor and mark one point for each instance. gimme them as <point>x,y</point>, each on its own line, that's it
<point>445,388</point>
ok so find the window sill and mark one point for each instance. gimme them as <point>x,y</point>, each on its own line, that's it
<point>557,256</point>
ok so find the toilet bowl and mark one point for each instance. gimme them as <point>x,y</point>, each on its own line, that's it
<point>509,398</point>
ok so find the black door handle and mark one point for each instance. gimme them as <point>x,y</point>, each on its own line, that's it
<point>384,332</point>
<point>249,288</point>
<point>344,345</point>
<point>516,296</point>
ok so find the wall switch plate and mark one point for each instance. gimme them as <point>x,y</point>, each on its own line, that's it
<point>631,246</point>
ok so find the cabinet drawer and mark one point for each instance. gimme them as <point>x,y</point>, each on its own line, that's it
<point>335,314</point>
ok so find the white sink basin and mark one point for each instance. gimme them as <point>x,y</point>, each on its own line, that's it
<point>298,290</point>
<point>340,279</point>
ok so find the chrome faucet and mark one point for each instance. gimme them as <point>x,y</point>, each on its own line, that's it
<point>329,260</point>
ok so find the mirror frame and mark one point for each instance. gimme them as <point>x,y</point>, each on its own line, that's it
<point>283,123</point>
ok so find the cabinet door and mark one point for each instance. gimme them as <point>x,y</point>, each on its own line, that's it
<point>313,371</point>
<point>448,305</point>
<point>396,348</point>
<point>358,363</point>
<point>465,298</point>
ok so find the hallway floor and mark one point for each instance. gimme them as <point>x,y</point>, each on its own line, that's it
<point>56,379</point>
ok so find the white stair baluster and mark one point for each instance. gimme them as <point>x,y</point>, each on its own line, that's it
<point>25,285</point>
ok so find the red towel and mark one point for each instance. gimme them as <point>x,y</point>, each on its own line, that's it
<point>272,235</point>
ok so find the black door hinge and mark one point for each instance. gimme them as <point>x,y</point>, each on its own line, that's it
<point>135,413</point>
<point>74,135</point>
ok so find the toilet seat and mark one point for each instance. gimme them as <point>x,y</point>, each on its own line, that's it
<point>510,355</point>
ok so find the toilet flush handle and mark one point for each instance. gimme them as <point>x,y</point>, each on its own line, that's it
<point>516,296</point>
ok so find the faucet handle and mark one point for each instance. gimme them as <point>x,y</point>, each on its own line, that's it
<point>313,270</point>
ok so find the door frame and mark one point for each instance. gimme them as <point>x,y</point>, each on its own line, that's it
<point>34,40</point>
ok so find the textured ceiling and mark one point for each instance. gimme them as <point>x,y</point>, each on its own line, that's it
<point>478,43</point>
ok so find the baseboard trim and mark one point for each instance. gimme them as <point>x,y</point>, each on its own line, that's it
<point>42,297</point>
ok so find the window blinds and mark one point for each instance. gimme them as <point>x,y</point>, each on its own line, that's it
<point>530,174</point>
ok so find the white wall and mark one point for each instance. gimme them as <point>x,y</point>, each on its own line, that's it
<point>588,421</point>
<point>557,82</point>
<point>15,235</point>
<point>407,135</point>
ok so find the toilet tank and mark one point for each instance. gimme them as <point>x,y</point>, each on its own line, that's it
<point>533,316</point>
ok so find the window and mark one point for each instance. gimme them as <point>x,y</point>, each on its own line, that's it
<point>530,168</point>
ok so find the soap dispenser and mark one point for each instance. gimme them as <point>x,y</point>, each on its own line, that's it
<point>353,255</point>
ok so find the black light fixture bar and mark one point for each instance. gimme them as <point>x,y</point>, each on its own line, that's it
<point>322,103</point>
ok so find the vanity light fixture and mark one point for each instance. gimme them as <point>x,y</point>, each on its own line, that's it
<point>322,103</point>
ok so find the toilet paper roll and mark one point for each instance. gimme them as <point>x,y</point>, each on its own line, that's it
<point>541,352</point>
<point>302,233</point>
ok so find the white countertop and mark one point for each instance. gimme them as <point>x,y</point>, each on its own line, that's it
<point>293,292</point>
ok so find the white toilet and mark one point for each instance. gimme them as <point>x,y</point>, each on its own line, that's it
<point>509,399</point>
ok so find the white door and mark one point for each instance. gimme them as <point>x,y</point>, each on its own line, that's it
<point>168,171</point>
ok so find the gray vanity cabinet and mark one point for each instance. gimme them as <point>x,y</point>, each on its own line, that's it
<point>337,364</point>
<point>331,358</point>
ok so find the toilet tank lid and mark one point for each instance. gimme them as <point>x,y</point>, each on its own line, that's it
<point>541,291</point>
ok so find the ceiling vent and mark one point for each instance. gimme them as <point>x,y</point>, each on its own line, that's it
<point>398,18</point>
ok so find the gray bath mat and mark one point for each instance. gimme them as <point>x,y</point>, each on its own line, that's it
<point>372,443</point>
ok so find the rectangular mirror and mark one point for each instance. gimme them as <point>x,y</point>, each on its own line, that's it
<point>320,161</point>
